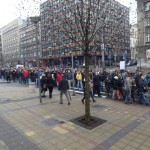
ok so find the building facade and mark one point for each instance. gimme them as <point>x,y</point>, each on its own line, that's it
<point>55,53</point>
<point>1,58</point>
<point>143,20</point>
<point>29,41</point>
<point>11,43</point>
<point>133,41</point>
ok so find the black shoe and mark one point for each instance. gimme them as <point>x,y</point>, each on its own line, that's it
<point>68,103</point>
<point>82,101</point>
<point>94,101</point>
<point>60,102</point>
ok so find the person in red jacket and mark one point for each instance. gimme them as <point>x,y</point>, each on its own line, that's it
<point>25,76</point>
<point>58,78</point>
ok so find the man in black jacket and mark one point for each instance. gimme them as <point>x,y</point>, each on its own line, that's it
<point>63,87</point>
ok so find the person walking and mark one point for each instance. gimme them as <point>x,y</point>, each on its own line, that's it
<point>63,87</point>
<point>91,92</point>
<point>68,76</point>
<point>50,84</point>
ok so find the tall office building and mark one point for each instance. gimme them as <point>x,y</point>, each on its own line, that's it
<point>143,20</point>
<point>133,41</point>
<point>28,44</point>
<point>1,58</point>
<point>54,51</point>
<point>11,43</point>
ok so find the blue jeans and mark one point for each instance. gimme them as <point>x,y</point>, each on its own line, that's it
<point>20,80</point>
<point>26,81</point>
<point>91,95</point>
<point>79,84</point>
<point>128,96</point>
<point>143,98</point>
<point>37,82</point>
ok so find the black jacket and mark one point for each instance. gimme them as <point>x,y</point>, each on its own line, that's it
<point>96,80</point>
<point>50,82</point>
<point>115,84</point>
<point>63,85</point>
<point>120,83</point>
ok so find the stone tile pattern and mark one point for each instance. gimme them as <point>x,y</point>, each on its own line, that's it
<point>13,138</point>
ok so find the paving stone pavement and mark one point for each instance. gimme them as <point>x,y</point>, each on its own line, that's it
<point>25,124</point>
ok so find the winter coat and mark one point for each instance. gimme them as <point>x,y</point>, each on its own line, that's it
<point>115,84</point>
<point>32,76</point>
<point>148,78</point>
<point>25,73</point>
<point>79,76</point>
<point>63,85</point>
<point>58,77</point>
<point>50,82</point>
<point>120,83</point>
<point>128,83</point>
<point>96,80</point>
<point>69,76</point>
<point>143,85</point>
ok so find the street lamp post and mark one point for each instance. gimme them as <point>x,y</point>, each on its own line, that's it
<point>36,20</point>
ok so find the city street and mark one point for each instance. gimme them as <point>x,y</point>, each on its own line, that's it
<point>25,124</point>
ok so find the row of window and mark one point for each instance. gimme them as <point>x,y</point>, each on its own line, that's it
<point>12,33</point>
<point>10,45</point>
<point>147,38</point>
<point>28,41</point>
<point>11,52</point>
<point>32,54</point>
<point>8,40</point>
<point>147,6</point>
<point>10,28</point>
<point>29,48</point>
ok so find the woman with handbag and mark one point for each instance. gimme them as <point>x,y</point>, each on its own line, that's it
<point>50,84</point>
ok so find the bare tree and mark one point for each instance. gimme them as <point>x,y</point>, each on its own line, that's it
<point>84,24</point>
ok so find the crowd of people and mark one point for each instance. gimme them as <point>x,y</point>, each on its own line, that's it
<point>121,85</point>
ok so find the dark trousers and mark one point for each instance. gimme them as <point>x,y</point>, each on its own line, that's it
<point>96,89</point>
<point>8,78</point>
<point>50,90</point>
<point>122,92</point>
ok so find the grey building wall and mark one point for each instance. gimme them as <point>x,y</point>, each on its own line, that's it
<point>143,20</point>
<point>28,44</point>
<point>11,43</point>
<point>133,41</point>
<point>1,59</point>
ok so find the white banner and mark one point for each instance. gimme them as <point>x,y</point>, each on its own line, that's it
<point>122,65</point>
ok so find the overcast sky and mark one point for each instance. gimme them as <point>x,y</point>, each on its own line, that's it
<point>9,9</point>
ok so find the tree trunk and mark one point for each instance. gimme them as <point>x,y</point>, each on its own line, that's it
<point>87,89</point>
